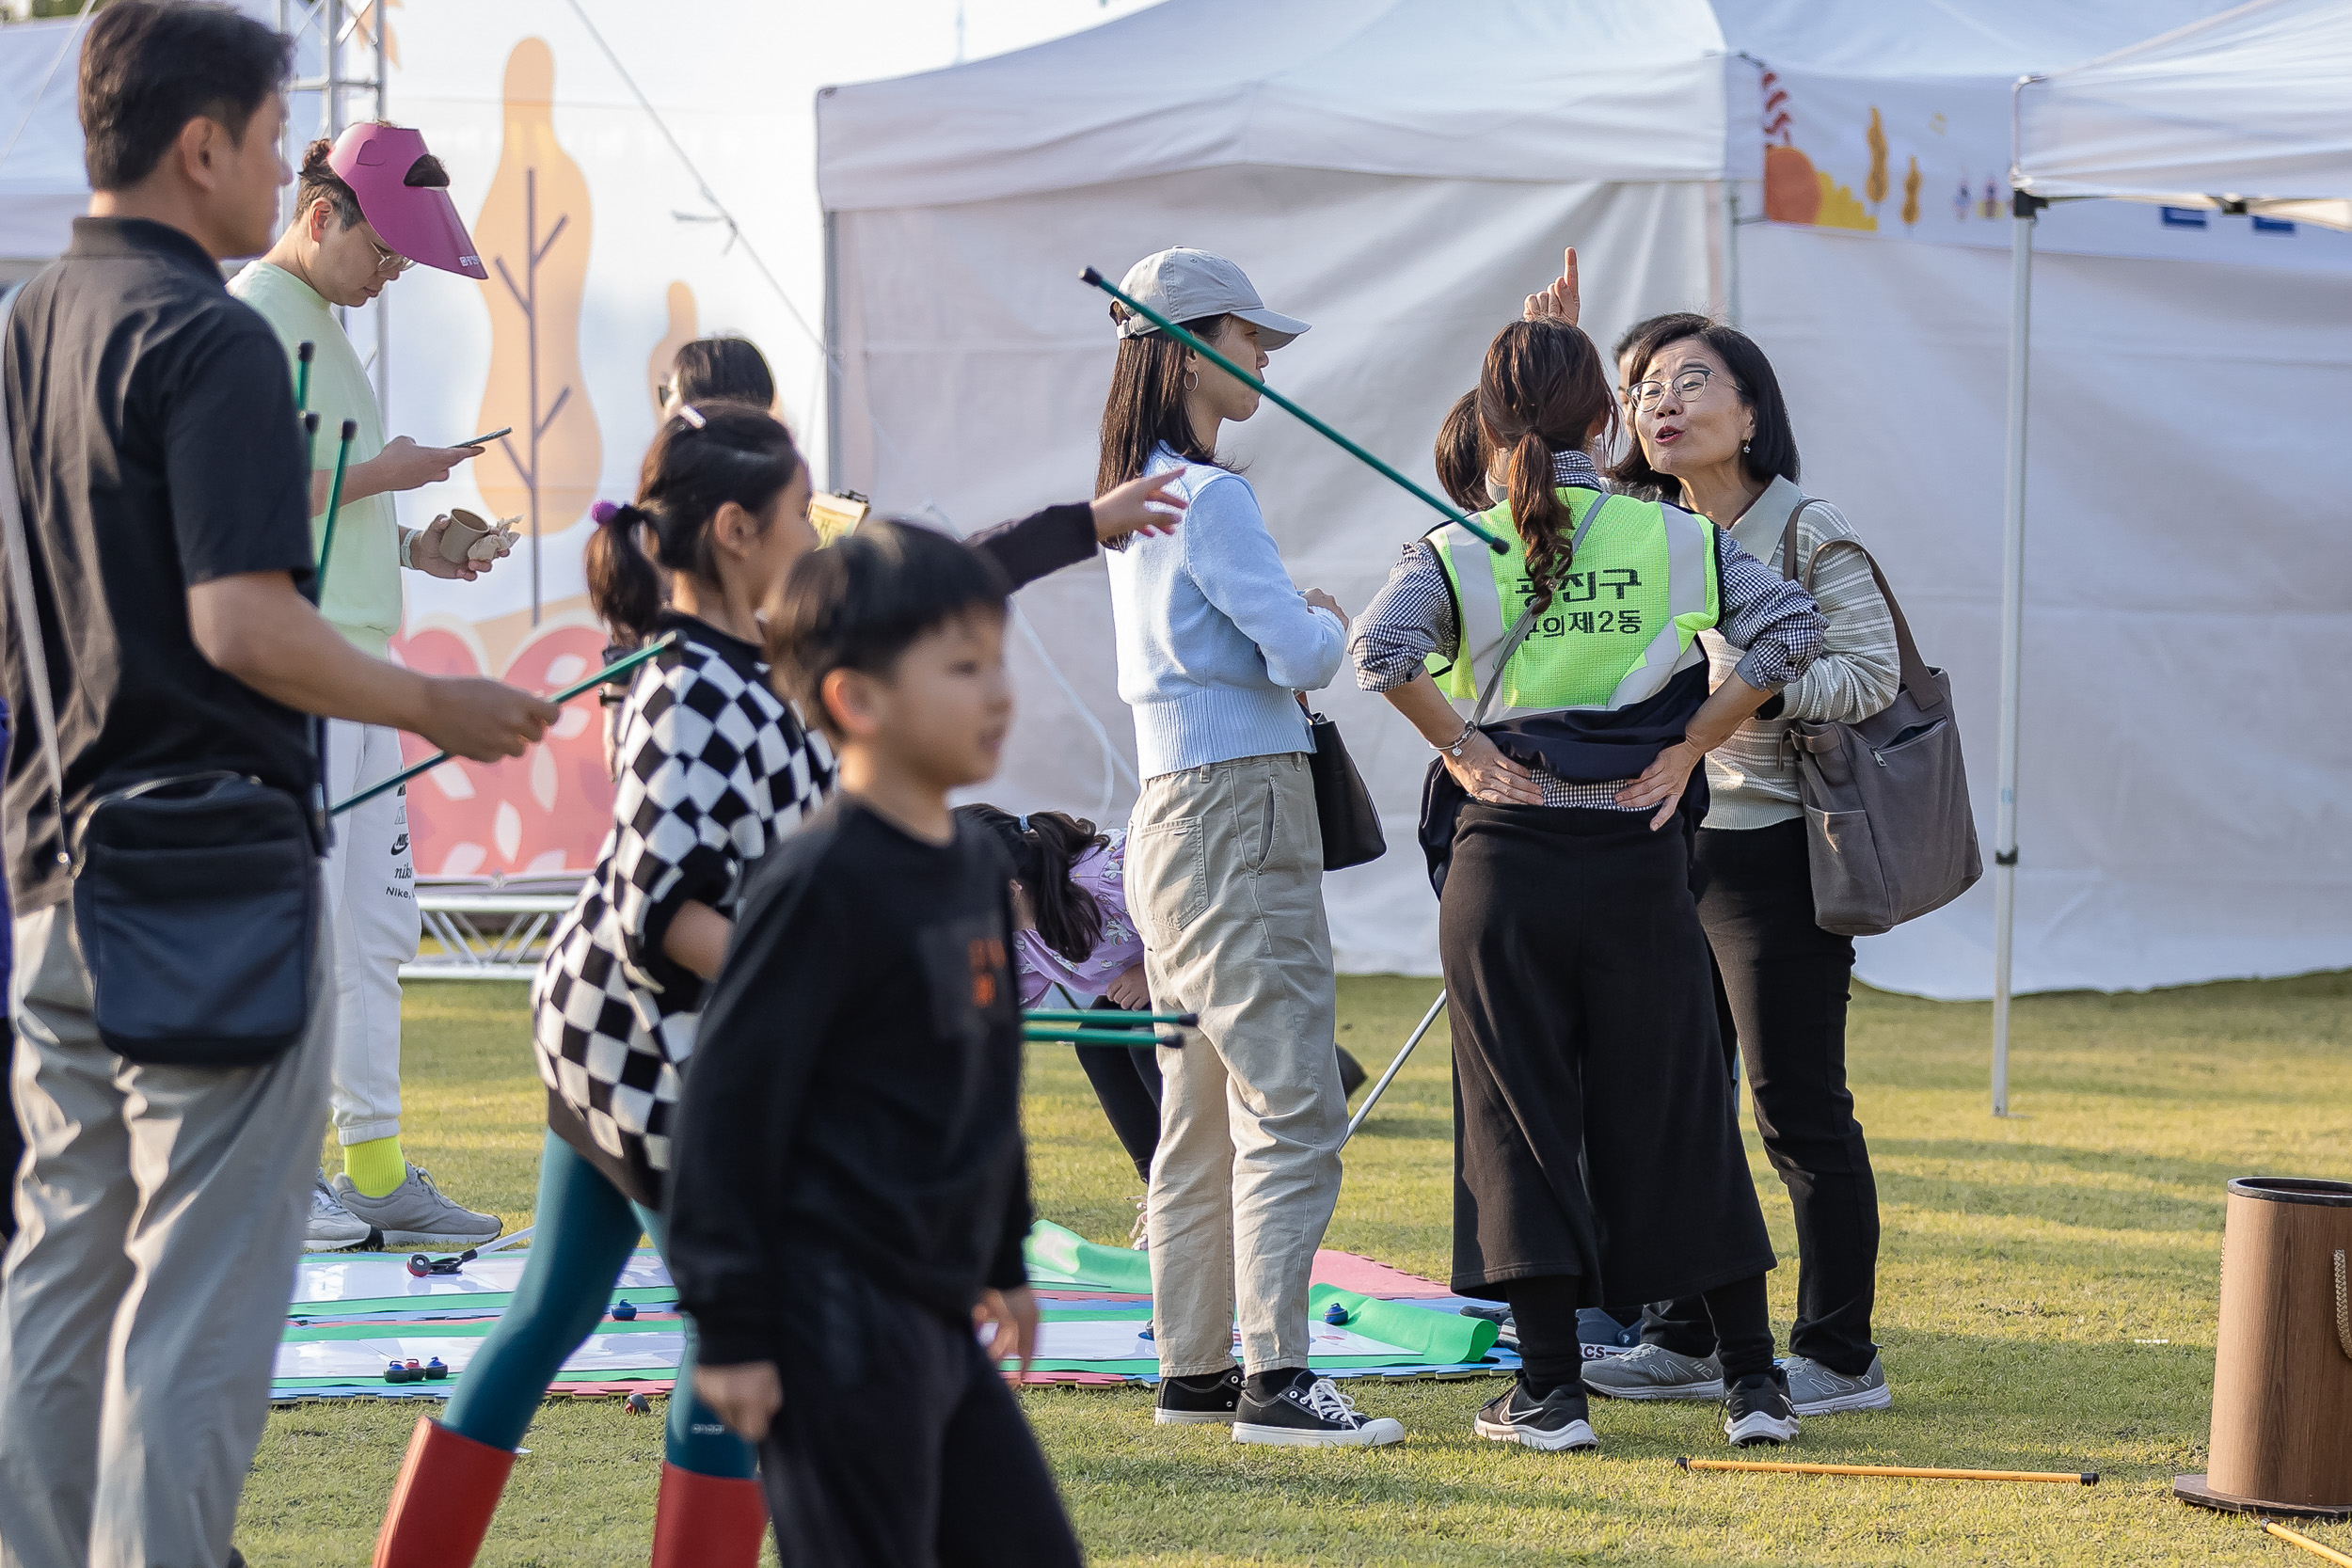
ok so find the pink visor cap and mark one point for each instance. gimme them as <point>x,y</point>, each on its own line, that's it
<point>420,221</point>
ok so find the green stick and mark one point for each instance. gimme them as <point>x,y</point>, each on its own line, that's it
<point>619,667</point>
<point>309,450</point>
<point>334,504</point>
<point>1104,1017</point>
<point>1193,342</point>
<point>302,375</point>
<point>1131,1039</point>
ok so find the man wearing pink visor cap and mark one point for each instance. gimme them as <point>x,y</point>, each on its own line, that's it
<point>369,207</point>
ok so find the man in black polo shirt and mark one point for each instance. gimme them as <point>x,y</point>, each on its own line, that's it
<point>167,513</point>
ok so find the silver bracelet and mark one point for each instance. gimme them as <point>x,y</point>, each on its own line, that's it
<point>407,543</point>
<point>1454,748</point>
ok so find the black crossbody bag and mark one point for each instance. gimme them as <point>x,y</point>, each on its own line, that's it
<point>1344,808</point>
<point>195,897</point>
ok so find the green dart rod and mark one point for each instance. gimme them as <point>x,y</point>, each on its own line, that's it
<point>303,353</point>
<point>1104,1017</point>
<point>619,667</point>
<point>1190,341</point>
<point>1131,1039</point>
<point>334,504</point>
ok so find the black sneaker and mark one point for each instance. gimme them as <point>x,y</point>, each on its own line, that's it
<point>1207,1400</point>
<point>1558,1421</point>
<point>1311,1413</point>
<point>1757,1410</point>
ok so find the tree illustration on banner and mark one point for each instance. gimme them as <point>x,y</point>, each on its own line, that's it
<point>1875,184</point>
<point>681,333</point>
<point>547,810</point>
<point>534,233</point>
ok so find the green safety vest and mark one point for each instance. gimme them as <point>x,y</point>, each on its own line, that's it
<point>1625,621</point>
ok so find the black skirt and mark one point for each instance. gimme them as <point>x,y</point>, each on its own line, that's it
<point>1594,1130</point>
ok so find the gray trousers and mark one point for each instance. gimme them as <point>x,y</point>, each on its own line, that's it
<point>1225,880</point>
<point>161,1209</point>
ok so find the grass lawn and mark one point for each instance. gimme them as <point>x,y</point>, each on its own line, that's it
<point>2026,1267</point>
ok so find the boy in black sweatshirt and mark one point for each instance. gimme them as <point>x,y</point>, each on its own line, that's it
<point>848,1190</point>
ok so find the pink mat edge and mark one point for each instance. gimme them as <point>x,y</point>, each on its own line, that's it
<point>1368,1276</point>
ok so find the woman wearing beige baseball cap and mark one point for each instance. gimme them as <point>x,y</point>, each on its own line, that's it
<point>1225,876</point>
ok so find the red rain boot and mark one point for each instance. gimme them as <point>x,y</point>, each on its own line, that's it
<point>440,1510</point>
<point>706,1521</point>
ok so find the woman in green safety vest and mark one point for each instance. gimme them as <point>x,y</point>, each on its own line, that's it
<point>1566,692</point>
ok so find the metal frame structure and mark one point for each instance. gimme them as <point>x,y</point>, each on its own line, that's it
<point>340,41</point>
<point>489,927</point>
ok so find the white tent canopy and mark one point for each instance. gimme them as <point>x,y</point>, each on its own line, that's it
<point>43,189</point>
<point>1399,174</point>
<point>2252,106</point>
<point>2244,110</point>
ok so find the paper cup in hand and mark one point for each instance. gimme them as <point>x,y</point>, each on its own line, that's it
<point>466,531</point>
<point>495,545</point>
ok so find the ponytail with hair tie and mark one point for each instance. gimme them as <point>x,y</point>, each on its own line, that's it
<point>1543,392</point>
<point>699,462</point>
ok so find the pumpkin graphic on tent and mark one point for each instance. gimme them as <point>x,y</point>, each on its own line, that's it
<point>1795,191</point>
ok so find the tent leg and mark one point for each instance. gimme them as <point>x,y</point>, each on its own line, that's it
<point>2023,208</point>
<point>831,349</point>
<point>1381,1087</point>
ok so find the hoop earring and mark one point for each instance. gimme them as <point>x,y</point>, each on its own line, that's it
<point>1192,381</point>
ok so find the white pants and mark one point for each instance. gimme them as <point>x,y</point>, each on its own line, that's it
<point>372,913</point>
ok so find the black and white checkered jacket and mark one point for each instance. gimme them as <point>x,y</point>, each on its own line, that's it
<point>714,769</point>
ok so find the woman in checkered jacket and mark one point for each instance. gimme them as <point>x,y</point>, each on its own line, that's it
<point>713,767</point>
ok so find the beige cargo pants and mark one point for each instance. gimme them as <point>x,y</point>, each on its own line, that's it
<point>1225,880</point>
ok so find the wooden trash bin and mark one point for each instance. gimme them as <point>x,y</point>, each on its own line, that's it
<point>2282,1355</point>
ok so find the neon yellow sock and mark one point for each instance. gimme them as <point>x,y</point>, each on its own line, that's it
<point>377,1167</point>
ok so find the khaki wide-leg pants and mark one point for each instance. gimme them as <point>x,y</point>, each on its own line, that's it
<point>1225,879</point>
<point>162,1210</point>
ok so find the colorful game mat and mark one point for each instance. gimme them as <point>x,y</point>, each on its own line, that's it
<point>354,1314</point>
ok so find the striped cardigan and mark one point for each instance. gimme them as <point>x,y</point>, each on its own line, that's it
<point>1752,778</point>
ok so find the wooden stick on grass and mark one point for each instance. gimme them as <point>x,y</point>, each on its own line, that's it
<point>2078,1478</point>
<point>2296,1538</point>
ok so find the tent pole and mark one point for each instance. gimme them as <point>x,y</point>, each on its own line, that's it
<point>2022,209</point>
<point>832,351</point>
<point>1731,249</point>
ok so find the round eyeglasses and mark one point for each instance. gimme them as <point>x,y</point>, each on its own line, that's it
<point>1689,386</point>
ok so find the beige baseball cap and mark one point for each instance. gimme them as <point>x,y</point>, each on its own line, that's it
<point>1186,285</point>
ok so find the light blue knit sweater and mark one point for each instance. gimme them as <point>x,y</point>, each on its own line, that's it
<point>1212,637</point>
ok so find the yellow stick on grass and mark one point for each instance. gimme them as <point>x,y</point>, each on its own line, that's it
<point>2077,1478</point>
<point>2296,1538</point>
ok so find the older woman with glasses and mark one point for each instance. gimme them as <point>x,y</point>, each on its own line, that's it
<point>1713,431</point>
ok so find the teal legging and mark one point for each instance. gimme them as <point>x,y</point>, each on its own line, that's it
<point>585,1231</point>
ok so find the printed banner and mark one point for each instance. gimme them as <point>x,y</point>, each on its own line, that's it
<point>1926,159</point>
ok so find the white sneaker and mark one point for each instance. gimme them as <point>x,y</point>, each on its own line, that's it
<point>1311,1413</point>
<point>332,1226</point>
<point>1816,1390</point>
<point>1140,1234</point>
<point>415,1215</point>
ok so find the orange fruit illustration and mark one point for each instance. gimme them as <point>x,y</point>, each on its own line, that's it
<point>1792,191</point>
